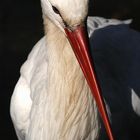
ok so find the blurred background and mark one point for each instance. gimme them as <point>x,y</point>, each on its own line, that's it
<point>21,27</point>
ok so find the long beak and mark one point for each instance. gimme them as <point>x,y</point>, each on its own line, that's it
<point>79,42</point>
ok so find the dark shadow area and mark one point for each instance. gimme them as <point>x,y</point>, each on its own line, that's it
<point>20,29</point>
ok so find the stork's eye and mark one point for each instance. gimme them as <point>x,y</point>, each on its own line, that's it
<point>55,10</point>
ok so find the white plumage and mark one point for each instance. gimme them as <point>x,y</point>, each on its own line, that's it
<point>51,100</point>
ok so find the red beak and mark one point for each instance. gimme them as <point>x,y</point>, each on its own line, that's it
<point>79,42</point>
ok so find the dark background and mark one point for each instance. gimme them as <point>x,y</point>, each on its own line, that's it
<point>20,28</point>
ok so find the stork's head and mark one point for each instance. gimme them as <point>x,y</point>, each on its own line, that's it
<point>65,13</point>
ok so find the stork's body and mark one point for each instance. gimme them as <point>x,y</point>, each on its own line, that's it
<point>51,100</point>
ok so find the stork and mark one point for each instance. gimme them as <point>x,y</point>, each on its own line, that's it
<point>52,100</point>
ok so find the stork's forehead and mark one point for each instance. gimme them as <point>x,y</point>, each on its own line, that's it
<point>74,3</point>
<point>76,6</point>
<point>72,11</point>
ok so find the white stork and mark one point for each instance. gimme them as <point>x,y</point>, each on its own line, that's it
<point>52,100</point>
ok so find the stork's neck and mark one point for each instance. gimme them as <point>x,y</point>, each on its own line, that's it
<point>56,39</point>
<point>63,69</point>
<point>60,53</point>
